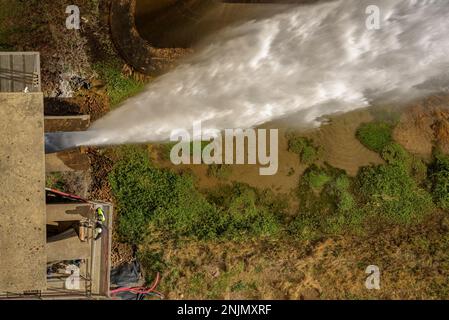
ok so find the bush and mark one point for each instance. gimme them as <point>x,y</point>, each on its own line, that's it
<point>394,154</point>
<point>327,206</point>
<point>247,211</point>
<point>316,177</point>
<point>189,213</point>
<point>305,148</point>
<point>350,221</point>
<point>389,192</point>
<point>375,135</point>
<point>418,170</point>
<point>439,178</point>
<point>331,203</point>
<point>139,189</point>
<point>345,200</point>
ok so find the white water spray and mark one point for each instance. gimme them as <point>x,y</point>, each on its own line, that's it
<point>315,60</point>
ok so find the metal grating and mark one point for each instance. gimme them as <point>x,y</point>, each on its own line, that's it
<point>20,72</point>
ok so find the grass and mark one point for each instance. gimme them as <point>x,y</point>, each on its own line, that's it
<point>118,86</point>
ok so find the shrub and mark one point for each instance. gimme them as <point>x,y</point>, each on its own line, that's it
<point>418,170</point>
<point>147,195</point>
<point>330,203</point>
<point>247,211</point>
<point>345,200</point>
<point>189,213</point>
<point>327,206</point>
<point>316,177</point>
<point>439,178</point>
<point>305,227</point>
<point>305,148</point>
<point>389,192</point>
<point>375,135</point>
<point>139,189</point>
<point>350,221</point>
<point>394,154</point>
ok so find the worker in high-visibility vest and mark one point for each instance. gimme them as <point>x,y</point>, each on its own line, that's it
<point>100,214</point>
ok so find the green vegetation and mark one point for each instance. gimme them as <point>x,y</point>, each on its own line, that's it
<point>160,200</point>
<point>375,135</point>
<point>327,205</point>
<point>147,195</point>
<point>139,189</point>
<point>332,203</point>
<point>394,154</point>
<point>245,211</point>
<point>316,178</point>
<point>393,193</point>
<point>345,199</point>
<point>118,86</point>
<point>389,192</point>
<point>305,148</point>
<point>439,180</point>
<point>170,208</point>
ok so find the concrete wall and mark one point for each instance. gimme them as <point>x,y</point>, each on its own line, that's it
<point>22,198</point>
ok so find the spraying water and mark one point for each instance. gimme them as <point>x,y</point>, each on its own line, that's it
<point>315,60</point>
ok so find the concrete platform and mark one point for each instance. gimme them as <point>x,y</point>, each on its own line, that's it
<point>22,198</point>
<point>67,246</point>
<point>69,212</point>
